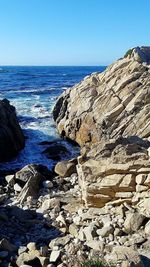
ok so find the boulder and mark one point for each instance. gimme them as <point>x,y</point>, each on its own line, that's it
<point>66,168</point>
<point>31,179</point>
<point>11,136</point>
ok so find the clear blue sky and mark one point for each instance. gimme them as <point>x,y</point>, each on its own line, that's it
<point>71,32</point>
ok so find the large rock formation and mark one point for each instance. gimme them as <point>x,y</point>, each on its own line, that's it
<point>109,104</point>
<point>108,115</point>
<point>11,135</point>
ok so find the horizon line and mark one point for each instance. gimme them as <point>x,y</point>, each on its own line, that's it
<point>18,65</point>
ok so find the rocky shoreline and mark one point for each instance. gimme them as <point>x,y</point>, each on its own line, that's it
<point>96,205</point>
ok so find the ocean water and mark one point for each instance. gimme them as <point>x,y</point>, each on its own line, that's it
<point>33,91</point>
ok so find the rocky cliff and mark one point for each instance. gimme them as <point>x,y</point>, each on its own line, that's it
<point>108,115</point>
<point>11,135</point>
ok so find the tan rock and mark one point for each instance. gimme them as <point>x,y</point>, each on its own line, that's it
<point>133,222</point>
<point>60,241</point>
<point>73,230</point>
<point>105,231</point>
<point>96,245</point>
<point>66,168</point>
<point>49,204</point>
<point>125,257</point>
<point>144,207</point>
<point>90,232</point>
<point>112,106</point>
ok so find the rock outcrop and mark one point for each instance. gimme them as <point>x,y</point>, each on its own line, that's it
<point>117,170</point>
<point>108,115</point>
<point>109,104</point>
<point>11,136</point>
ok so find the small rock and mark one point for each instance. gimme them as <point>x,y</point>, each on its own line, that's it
<point>60,241</point>
<point>95,244</point>
<point>49,204</point>
<point>117,232</point>
<point>105,231</point>
<point>73,230</point>
<point>61,219</point>
<point>81,235</point>
<point>133,222</point>
<point>90,232</point>
<point>10,179</point>
<point>55,254</point>
<point>17,187</point>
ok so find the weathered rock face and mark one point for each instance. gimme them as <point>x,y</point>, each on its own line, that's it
<point>109,104</point>
<point>108,115</point>
<point>11,135</point>
<point>110,171</point>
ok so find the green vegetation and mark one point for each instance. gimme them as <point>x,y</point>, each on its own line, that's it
<point>129,52</point>
<point>96,263</point>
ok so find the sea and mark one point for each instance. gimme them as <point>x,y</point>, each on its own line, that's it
<point>34,91</point>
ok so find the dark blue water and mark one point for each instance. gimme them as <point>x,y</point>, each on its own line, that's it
<point>33,91</point>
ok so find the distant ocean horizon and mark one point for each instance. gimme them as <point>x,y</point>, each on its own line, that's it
<point>33,90</point>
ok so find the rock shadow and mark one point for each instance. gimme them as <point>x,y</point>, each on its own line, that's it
<point>20,227</point>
